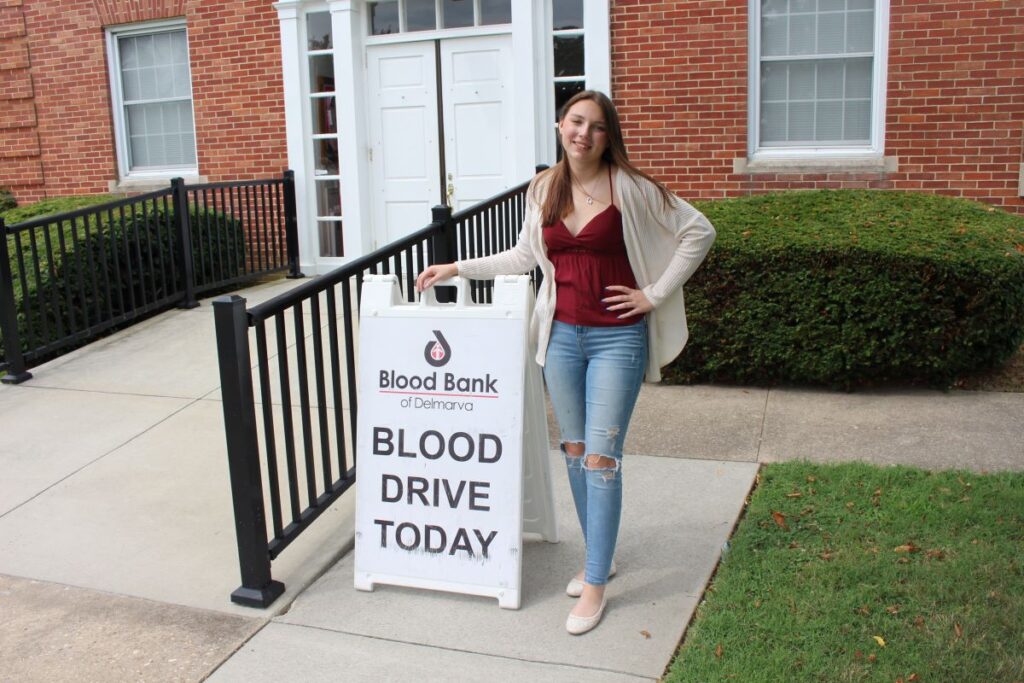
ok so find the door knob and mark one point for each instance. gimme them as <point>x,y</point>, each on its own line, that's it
<point>450,191</point>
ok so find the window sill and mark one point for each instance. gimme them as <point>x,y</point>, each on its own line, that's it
<point>745,166</point>
<point>128,186</point>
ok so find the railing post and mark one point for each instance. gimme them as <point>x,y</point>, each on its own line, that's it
<point>16,372</point>
<point>258,588</point>
<point>181,225</point>
<point>443,245</point>
<point>291,226</point>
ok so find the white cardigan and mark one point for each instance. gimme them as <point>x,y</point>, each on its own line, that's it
<point>664,244</point>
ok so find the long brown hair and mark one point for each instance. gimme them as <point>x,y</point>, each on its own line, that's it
<point>558,200</point>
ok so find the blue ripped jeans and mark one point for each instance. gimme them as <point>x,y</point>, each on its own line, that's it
<point>593,375</point>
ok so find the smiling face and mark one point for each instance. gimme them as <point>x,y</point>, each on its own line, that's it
<point>584,133</point>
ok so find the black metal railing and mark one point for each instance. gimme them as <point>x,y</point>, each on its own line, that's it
<point>65,279</point>
<point>290,417</point>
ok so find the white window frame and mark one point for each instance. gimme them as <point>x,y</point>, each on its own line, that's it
<point>879,77</point>
<point>117,100</point>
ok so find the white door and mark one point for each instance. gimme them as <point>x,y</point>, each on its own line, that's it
<point>402,91</point>
<point>405,138</point>
<point>476,77</point>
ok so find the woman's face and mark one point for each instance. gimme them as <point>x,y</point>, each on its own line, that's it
<point>584,132</point>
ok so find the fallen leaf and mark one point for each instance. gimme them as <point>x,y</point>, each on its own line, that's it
<point>646,634</point>
<point>811,478</point>
<point>903,560</point>
<point>858,655</point>
<point>793,545</point>
<point>718,651</point>
<point>906,548</point>
<point>958,630</point>
<point>872,657</point>
<point>864,609</point>
<point>780,519</point>
<point>913,678</point>
<point>794,494</point>
<point>893,609</point>
<point>919,621</point>
<point>935,554</point>
<point>880,640</point>
<point>827,556</point>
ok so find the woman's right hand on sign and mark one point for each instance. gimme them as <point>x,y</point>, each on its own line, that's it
<point>431,275</point>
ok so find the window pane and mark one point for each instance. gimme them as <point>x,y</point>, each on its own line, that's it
<point>420,15</point>
<point>773,122</point>
<point>318,31</point>
<point>458,13</point>
<point>325,157</point>
<point>860,31</point>
<point>325,116</point>
<point>564,91</point>
<point>801,5</point>
<point>830,78</point>
<point>328,198</point>
<point>568,55</point>
<point>774,78</point>
<point>801,121</point>
<point>831,33</point>
<point>857,123</point>
<point>831,5</point>
<point>802,34</point>
<point>330,238</point>
<point>829,121</point>
<point>773,6</point>
<point>774,36</point>
<point>495,12</point>
<point>858,78</point>
<point>321,73</point>
<point>860,4</point>
<point>384,17</point>
<point>566,14</point>
<point>801,81</point>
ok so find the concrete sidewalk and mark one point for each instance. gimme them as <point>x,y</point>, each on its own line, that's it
<point>117,542</point>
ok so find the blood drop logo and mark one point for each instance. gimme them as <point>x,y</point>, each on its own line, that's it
<point>437,352</point>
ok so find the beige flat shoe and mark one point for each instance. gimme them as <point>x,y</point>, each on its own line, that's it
<point>575,587</point>
<point>580,625</point>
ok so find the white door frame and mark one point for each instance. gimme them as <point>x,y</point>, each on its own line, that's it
<point>531,82</point>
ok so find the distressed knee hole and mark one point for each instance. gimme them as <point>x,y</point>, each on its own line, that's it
<point>612,432</point>
<point>573,449</point>
<point>608,467</point>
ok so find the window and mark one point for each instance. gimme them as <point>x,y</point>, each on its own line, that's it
<point>151,84</point>
<point>405,16</point>
<point>817,69</point>
<point>323,134</point>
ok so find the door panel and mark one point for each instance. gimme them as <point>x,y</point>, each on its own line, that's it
<point>403,137</point>
<point>476,74</point>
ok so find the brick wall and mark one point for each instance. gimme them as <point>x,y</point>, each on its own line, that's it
<point>236,75</point>
<point>955,102</point>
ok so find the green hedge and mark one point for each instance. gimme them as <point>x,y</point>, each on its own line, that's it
<point>851,288</point>
<point>130,264</point>
<point>7,200</point>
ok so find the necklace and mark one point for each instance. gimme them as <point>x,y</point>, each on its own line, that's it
<point>588,195</point>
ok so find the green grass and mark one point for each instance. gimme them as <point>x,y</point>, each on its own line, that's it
<point>827,557</point>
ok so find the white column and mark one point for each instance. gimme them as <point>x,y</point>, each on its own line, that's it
<point>353,147</point>
<point>597,45</point>
<point>529,103</point>
<point>288,18</point>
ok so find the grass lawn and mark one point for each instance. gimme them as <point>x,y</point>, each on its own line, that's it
<point>860,573</point>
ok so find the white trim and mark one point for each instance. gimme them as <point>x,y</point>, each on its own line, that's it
<point>124,171</point>
<point>597,48</point>
<point>288,13</point>
<point>353,144</point>
<point>813,154</point>
<point>527,102</point>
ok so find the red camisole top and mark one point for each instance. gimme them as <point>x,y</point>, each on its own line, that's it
<point>587,263</point>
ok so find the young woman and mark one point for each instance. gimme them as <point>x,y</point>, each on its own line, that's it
<point>615,248</point>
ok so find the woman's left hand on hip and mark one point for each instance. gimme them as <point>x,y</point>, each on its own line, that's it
<point>629,301</point>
